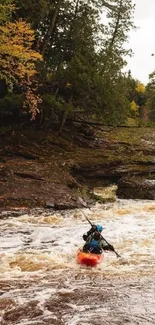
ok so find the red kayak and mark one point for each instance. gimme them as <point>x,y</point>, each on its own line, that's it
<point>88,259</point>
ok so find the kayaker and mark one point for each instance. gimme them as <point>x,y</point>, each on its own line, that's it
<point>92,231</point>
<point>96,244</point>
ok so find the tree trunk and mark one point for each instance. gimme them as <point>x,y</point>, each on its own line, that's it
<point>65,114</point>
<point>52,26</point>
<point>114,35</point>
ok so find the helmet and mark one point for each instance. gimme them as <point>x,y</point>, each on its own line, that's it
<point>99,228</point>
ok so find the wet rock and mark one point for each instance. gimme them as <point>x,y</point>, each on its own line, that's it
<point>21,152</point>
<point>31,192</point>
<point>94,171</point>
<point>39,169</point>
<point>82,202</point>
<point>136,188</point>
<point>12,214</point>
<point>28,175</point>
<point>60,205</point>
<point>50,204</point>
<point>4,173</point>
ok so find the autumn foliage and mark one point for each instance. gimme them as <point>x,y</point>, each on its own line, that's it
<point>140,88</point>
<point>18,59</point>
<point>81,75</point>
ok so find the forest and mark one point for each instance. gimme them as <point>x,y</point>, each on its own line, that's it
<point>77,163</point>
<point>62,61</point>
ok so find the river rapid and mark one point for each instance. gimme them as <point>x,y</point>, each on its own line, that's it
<point>41,283</point>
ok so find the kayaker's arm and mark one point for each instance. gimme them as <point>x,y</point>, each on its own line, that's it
<point>89,232</point>
<point>108,247</point>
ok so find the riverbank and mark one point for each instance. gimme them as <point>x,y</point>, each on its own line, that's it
<point>38,168</point>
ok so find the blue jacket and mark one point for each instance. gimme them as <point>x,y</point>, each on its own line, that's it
<point>93,243</point>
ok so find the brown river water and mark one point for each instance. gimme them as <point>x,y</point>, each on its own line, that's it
<point>41,283</point>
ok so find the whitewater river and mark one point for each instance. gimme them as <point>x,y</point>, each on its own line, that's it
<point>41,283</point>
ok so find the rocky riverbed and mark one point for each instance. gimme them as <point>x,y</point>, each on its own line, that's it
<point>39,168</point>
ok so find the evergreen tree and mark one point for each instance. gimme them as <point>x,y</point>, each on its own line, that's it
<point>150,96</point>
<point>81,71</point>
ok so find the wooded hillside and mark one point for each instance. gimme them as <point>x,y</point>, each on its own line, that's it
<point>62,61</point>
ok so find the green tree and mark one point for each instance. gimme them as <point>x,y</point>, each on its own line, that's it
<point>83,58</point>
<point>150,96</point>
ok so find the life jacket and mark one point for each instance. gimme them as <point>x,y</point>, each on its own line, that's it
<point>94,246</point>
<point>94,243</point>
<point>95,240</point>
